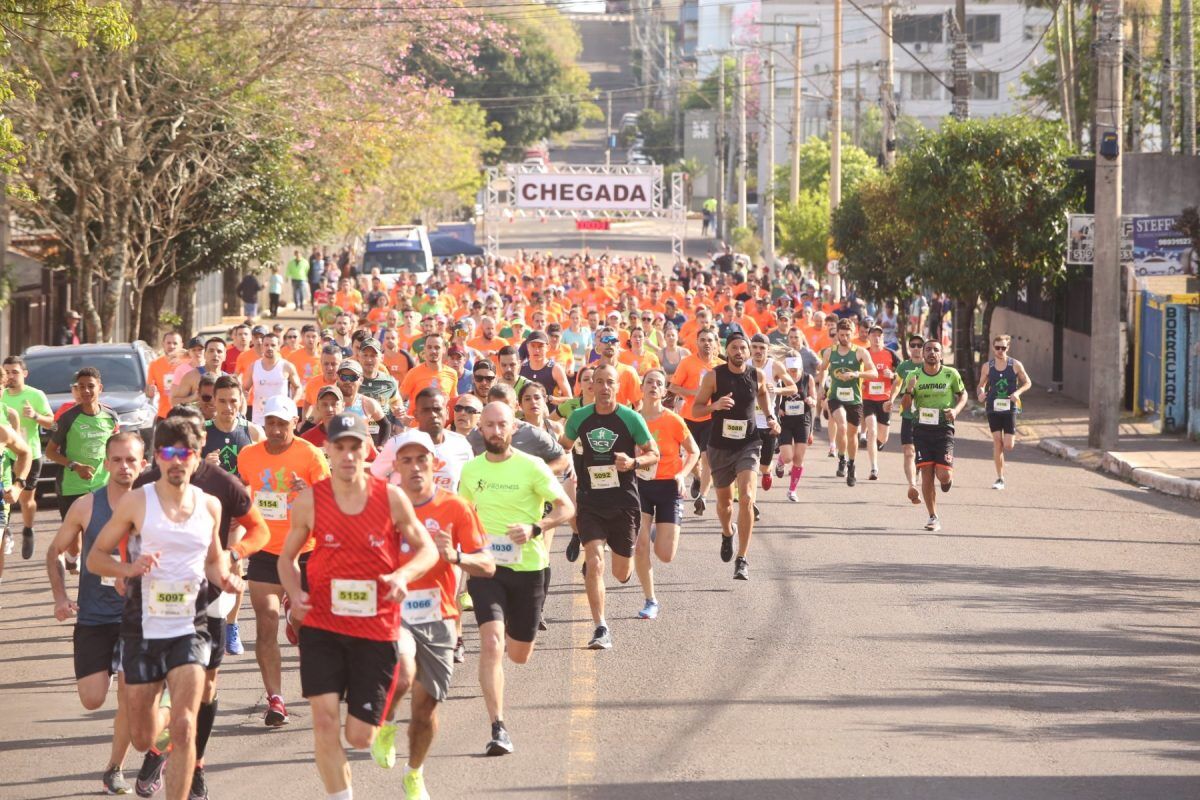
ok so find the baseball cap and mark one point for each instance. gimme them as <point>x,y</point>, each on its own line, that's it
<point>195,342</point>
<point>350,364</point>
<point>413,436</point>
<point>347,424</point>
<point>331,389</point>
<point>760,338</point>
<point>371,342</point>
<point>259,330</point>
<point>280,407</point>
<point>538,336</point>
<point>455,350</point>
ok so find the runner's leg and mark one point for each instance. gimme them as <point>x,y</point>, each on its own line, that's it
<point>265,599</point>
<point>725,509</point>
<point>746,486</point>
<point>491,668</point>
<point>594,580</point>
<point>186,684</point>
<point>327,742</point>
<point>641,556</point>
<point>423,727</point>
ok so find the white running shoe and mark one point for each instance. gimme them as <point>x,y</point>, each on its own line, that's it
<point>999,484</point>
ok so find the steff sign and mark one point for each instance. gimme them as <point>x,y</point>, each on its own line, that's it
<point>562,191</point>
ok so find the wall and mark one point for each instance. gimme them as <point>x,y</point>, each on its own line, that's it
<point>1154,183</point>
<point>1033,343</point>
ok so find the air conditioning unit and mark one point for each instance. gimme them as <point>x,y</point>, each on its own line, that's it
<point>920,47</point>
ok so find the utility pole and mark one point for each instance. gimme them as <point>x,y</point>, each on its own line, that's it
<point>608,130</point>
<point>721,150</point>
<point>766,195</point>
<point>1187,76</point>
<point>835,130</point>
<point>740,98</point>
<point>797,113</point>
<point>962,78</point>
<point>1107,374</point>
<point>1166,83</point>
<point>857,103</point>
<point>887,91</point>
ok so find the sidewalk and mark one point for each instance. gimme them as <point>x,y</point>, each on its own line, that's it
<point>288,317</point>
<point>1166,463</point>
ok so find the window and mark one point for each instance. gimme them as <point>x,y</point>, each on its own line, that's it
<point>983,28</point>
<point>919,86</point>
<point>985,86</point>
<point>914,28</point>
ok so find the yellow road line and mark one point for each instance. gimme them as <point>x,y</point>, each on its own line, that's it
<point>581,755</point>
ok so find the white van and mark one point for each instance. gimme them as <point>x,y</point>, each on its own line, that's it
<point>397,249</point>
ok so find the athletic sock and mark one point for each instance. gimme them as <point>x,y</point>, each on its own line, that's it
<point>603,623</point>
<point>205,717</point>
<point>408,769</point>
<point>545,587</point>
<point>794,479</point>
<point>345,794</point>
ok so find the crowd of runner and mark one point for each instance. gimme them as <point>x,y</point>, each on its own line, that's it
<point>413,452</point>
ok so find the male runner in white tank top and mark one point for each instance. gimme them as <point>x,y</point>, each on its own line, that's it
<point>269,376</point>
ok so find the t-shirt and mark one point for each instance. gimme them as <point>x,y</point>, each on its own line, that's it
<point>307,366</point>
<point>879,388</point>
<point>382,387</point>
<point>669,432</point>
<point>688,374</point>
<point>528,439</point>
<point>313,388</point>
<point>276,480</point>
<point>903,370</point>
<point>598,438</point>
<point>29,427</point>
<point>82,437</point>
<point>162,376</point>
<point>506,492</point>
<point>453,453</point>
<point>936,391</point>
<point>422,376</point>
<point>450,513</point>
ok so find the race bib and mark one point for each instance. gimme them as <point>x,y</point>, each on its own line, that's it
<point>734,428</point>
<point>373,428</point>
<point>353,598</point>
<point>422,605</point>
<point>875,387</point>
<point>647,473</point>
<point>174,599</point>
<point>504,551</point>
<point>1002,404</point>
<point>929,416</point>
<point>272,505</point>
<point>793,408</point>
<point>107,580</point>
<point>220,608</point>
<point>845,394</point>
<point>604,477</point>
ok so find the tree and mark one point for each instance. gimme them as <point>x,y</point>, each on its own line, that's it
<point>704,96</point>
<point>875,242</point>
<point>658,131</point>
<point>814,167</point>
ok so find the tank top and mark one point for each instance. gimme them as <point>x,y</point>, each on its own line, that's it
<point>794,405</point>
<point>668,366</point>
<point>879,388</point>
<point>172,599</point>
<point>734,429</point>
<point>357,406</point>
<point>769,376</point>
<point>1000,386</point>
<point>351,552</point>
<point>544,376</point>
<point>226,445</point>
<point>267,383</point>
<point>99,603</point>
<point>848,392</point>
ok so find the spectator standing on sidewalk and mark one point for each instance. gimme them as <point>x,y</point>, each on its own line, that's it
<point>297,273</point>
<point>275,290</point>
<point>248,290</point>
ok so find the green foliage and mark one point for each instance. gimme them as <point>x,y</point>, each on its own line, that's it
<point>802,228</point>
<point>814,167</point>
<point>874,240</point>
<point>704,96</point>
<point>658,131</point>
<point>745,240</point>
<point>907,130</point>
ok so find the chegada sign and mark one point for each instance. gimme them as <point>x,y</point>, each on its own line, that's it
<point>579,192</point>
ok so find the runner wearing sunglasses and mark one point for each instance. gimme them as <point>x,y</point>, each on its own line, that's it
<point>1002,381</point>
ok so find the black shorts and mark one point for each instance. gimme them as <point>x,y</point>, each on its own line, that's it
<point>216,632</point>
<point>854,411</point>
<point>874,408</point>
<point>935,445</point>
<point>769,443</point>
<point>794,429</point>
<point>35,472</point>
<point>97,649</point>
<point>616,526</point>
<point>64,503</point>
<point>149,660</point>
<point>906,430</point>
<point>1002,422</point>
<point>700,432</point>
<point>660,500</point>
<point>264,568</point>
<point>512,597</point>
<point>363,672</point>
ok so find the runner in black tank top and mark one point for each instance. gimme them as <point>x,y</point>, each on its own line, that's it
<point>730,392</point>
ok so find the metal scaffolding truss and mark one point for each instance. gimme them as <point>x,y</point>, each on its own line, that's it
<point>499,205</point>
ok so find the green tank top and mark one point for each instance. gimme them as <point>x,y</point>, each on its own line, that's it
<point>849,391</point>
<point>903,370</point>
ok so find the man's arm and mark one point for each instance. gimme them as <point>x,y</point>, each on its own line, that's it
<point>424,554</point>
<point>786,384</point>
<point>1024,381</point>
<point>563,385</point>
<point>66,540</point>
<point>187,390</point>
<point>289,568</point>
<point>865,360</point>
<point>704,404</point>
<point>292,375</point>
<point>127,516</point>
<point>981,390</point>
<point>764,402</point>
<point>20,448</point>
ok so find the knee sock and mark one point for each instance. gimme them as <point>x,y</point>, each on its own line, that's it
<point>794,481</point>
<point>204,725</point>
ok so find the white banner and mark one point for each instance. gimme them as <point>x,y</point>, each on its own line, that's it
<point>565,192</point>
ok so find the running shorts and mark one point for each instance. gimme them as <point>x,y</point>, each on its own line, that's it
<point>935,445</point>
<point>660,500</point>
<point>726,464</point>
<point>616,526</point>
<point>874,408</point>
<point>264,568</point>
<point>35,472</point>
<point>906,430</point>
<point>363,672</point>
<point>149,660</point>
<point>434,655</point>
<point>1002,422</point>
<point>216,632</point>
<point>97,648</point>
<point>64,503</point>
<point>514,598</point>
<point>700,432</point>
<point>854,411</point>
<point>794,429</point>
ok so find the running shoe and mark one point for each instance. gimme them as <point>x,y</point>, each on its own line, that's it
<point>699,506</point>
<point>934,524</point>
<point>862,440</point>
<point>946,486</point>
<point>841,470</point>
<point>414,786</point>
<point>914,495</point>
<point>460,652</point>
<point>832,453</point>
<point>276,716</point>
<point>757,513</point>
<point>199,790</point>
<point>726,548</point>
<point>573,547</point>
<point>465,603</point>
<point>500,744</point>
<point>792,497</point>
<point>288,630</point>
<point>874,476</point>
<point>741,570</point>
<point>999,484</point>
<point>233,640</point>
<point>383,749</point>
<point>766,481</point>
<point>115,783</point>
<point>27,543</point>
<point>850,479</point>
<point>695,489</point>
<point>601,639</point>
<point>779,468</point>
<point>542,624</point>
<point>879,445</point>
<point>649,611</point>
<point>150,776</point>
<point>8,544</point>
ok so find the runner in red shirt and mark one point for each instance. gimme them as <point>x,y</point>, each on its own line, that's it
<point>430,611</point>
<point>877,397</point>
<point>350,617</point>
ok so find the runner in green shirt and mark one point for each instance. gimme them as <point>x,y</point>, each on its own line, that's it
<point>936,395</point>
<point>903,370</point>
<point>33,410</point>
<point>509,491</point>
<point>79,439</point>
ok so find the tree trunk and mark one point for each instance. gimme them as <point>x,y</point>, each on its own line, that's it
<point>1064,86</point>
<point>985,340</point>
<point>148,320</point>
<point>185,304</point>
<point>964,326</point>
<point>1166,83</point>
<point>1187,75</point>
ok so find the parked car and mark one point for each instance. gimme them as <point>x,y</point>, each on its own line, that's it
<point>123,370</point>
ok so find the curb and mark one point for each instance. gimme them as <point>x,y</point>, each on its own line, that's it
<point>1114,464</point>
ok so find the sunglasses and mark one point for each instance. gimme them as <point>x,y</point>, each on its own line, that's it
<point>610,339</point>
<point>291,336</point>
<point>175,453</point>
<point>348,377</point>
<point>461,409</point>
<point>480,377</point>
<point>1000,347</point>
<point>206,398</point>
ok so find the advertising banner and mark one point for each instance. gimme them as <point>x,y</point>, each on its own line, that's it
<point>1160,248</point>
<point>568,192</point>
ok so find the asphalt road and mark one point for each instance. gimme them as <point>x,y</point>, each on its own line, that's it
<point>1043,645</point>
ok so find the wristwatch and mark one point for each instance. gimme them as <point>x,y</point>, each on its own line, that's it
<point>537,530</point>
<point>19,482</point>
<point>234,557</point>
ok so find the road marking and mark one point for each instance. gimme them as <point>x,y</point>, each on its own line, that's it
<point>581,739</point>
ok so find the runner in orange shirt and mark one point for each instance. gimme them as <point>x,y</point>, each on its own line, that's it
<point>307,358</point>
<point>685,384</point>
<point>160,375</point>
<point>433,371</point>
